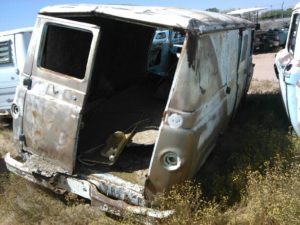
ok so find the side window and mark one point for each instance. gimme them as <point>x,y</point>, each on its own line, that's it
<point>5,52</point>
<point>65,50</point>
<point>293,33</point>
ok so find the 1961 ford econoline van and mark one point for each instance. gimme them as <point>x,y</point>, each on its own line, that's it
<point>287,69</point>
<point>13,50</point>
<point>91,118</point>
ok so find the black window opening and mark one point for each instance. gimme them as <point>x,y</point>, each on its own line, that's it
<point>5,52</point>
<point>293,33</point>
<point>66,50</point>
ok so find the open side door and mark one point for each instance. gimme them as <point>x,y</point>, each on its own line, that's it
<point>57,87</point>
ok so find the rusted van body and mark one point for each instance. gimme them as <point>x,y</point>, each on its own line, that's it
<point>91,118</point>
<point>287,69</point>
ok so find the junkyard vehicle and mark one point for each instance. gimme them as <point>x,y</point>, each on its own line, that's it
<point>166,46</point>
<point>162,36</point>
<point>13,50</point>
<point>267,40</point>
<point>276,37</point>
<point>90,118</point>
<point>260,40</point>
<point>288,71</point>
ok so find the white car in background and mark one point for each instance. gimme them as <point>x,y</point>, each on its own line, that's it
<point>13,51</point>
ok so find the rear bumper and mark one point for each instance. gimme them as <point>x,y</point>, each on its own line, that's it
<point>5,113</point>
<point>93,188</point>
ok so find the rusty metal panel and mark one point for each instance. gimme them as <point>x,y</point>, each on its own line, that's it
<point>53,104</point>
<point>199,107</point>
<point>45,134</point>
<point>213,68</point>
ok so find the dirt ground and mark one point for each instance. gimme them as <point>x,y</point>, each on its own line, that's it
<point>264,69</point>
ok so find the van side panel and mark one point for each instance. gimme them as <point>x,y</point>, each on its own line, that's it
<point>201,100</point>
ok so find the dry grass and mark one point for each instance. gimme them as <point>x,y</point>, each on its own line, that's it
<point>272,197</point>
<point>6,144</point>
<point>24,203</point>
<point>252,177</point>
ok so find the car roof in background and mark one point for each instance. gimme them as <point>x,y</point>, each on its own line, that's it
<point>16,31</point>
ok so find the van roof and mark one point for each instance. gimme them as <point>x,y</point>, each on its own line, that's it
<point>201,21</point>
<point>15,31</point>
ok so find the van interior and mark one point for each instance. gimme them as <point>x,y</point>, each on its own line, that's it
<point>128,92</point>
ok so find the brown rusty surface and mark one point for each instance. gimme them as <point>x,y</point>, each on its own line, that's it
<point>50,127</point>
<point>195,86</point>
<point>199,97</point>
<point>207,68</point>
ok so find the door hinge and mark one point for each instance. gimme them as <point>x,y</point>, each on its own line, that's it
<point>27,82</point>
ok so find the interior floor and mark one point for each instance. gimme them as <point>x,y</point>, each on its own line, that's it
<point>139,106</point>
<point>123,96</point>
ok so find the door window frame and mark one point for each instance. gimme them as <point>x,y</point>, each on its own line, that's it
<point>293,36</point>
<point>52,76</point>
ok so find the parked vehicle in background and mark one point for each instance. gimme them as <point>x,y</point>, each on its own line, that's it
<point>276,37</point>
<point>13,50</point>
<point>268,40</point>
<point>168,36</point>
<point>260,40</point>
<point>287,68</point>
<point>164,43</point>
<point>90,116</point>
